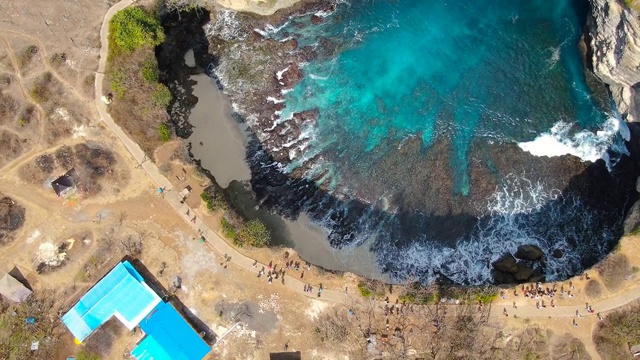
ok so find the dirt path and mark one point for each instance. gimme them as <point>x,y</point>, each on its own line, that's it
<point>563,313</point>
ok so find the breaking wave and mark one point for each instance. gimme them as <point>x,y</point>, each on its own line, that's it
<point>586,145</point>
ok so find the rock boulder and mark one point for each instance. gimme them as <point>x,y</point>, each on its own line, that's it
<point>506,264</point>
<point>529,253</point>
<point>524,272</point>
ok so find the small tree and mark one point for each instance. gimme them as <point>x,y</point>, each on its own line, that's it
<point>133,28</point>
<point>255,233</point>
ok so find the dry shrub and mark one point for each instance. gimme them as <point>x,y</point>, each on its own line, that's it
<point>593,289</point>
<point>12,217</point>
<point>16,334</point>
<point>568,347</point>
<point>42,91</point>
<point>333,325</point>
<point>11,146</point>
<point>613,271</point>
<point>616,331</point>
<point>8,107</point>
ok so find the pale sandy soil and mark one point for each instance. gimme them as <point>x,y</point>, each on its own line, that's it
<point>262,7</point>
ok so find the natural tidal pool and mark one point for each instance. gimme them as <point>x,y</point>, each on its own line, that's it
<point>443,136</point>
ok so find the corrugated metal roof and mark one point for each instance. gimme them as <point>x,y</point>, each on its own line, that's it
<point>121,293</point>
<point>169,336</point>
<point>13,289</point>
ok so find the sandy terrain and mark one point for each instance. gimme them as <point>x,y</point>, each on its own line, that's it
<point>262,7</point>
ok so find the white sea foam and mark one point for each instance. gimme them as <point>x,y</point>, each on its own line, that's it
<point>585,144</point>
<point>470,260</point>
<point>555,56</point>
<point>274,100</point>
<point>281,72</point>
<point>225,26</point>
<point>318,77</point>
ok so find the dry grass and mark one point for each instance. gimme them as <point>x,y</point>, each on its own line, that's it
<point>613,271</point>
<point>593,289</point>
<point>616,331</point>
<point>12,217</point>
<point>133,107</point>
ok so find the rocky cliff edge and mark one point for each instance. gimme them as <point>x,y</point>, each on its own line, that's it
<point>614,39</point>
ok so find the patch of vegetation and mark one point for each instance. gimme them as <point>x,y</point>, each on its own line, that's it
<point>213,200</point>
<point>371,288</point>
<point>41,91</point>
<point>365,292</point>
<point>86,355</point>
<point>16,335</point>
<point>255,233</point>
<point>5,79</point>
<point>25,57</point>
<point>165,132</point>
<point>161,96</point>
<point>58,59</point>
<point>12,216</point>
<point>593,289</point>
<point>229,230</point>
<point>613,271</point>
<point>8,105</point>
<point>619,329</point>
<point>149,71</point>
<point>133,28</point>
<point>119,81</point>
<point>141,100</point>
<point>633,4</point>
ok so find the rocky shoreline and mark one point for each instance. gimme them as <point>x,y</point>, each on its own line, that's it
<point>256,69</point>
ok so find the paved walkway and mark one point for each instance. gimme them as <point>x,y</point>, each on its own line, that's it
<point>216,242</point>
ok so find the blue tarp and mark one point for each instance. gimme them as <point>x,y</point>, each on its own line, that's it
<point>169,336</point>
<point>121,293</point>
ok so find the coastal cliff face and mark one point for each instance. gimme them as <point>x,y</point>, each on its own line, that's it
<point>261,7</point>
<point>614,32</point>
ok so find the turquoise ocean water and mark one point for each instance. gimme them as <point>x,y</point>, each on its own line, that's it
<point>495,70</point>
<point>395,73</point>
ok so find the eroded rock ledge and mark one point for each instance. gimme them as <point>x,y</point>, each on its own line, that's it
<point>614,40</point>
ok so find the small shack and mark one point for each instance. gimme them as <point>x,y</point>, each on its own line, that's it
<point>635,350</point>
<point>65,183</point>
<point>289,355</point>
<point>13,289</point>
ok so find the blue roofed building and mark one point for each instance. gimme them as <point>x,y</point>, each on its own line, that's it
<point>124,294</point>
<point>169,336</point>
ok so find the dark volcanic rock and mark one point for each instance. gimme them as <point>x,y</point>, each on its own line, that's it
<point>524,272</point>
<point>557,253</point>
<point>291,77</point>
<point>529,253</point>
<point>502,277</point>
<point>506,263</point>
<point>316,20</point>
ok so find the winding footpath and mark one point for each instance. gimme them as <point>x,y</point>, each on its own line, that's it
<point>213,240</point>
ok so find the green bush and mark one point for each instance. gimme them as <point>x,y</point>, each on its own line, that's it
<point>119,82</point>
<point>161,96</point>
<point>149,73</point>
<point>255,233</point>
<point>85,355</point>
<point>165,132</point>
<point>365,291</point>
<point>133,28</point>
<point>229,230</point>
<point>213,201</point>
